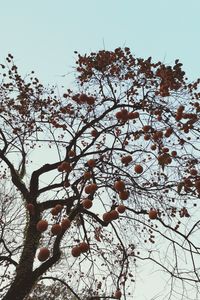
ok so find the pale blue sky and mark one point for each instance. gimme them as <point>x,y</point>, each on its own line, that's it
<point>42,34</point>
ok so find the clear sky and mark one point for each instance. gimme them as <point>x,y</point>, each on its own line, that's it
<point>43,34</point>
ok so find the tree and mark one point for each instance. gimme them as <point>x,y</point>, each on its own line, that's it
<point>97,180</point>
<point>57,290</point>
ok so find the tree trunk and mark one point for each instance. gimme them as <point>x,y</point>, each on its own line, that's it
<point>25,277</point>
<point>20,287</point>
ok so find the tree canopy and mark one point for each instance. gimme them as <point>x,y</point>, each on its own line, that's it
<point>98,179</point>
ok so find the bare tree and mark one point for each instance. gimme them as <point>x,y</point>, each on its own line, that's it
<point>100,179</point>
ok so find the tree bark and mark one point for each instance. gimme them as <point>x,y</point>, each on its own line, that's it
<point>20,287</point>
<point>25,276</point>
<point>25,279</point>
